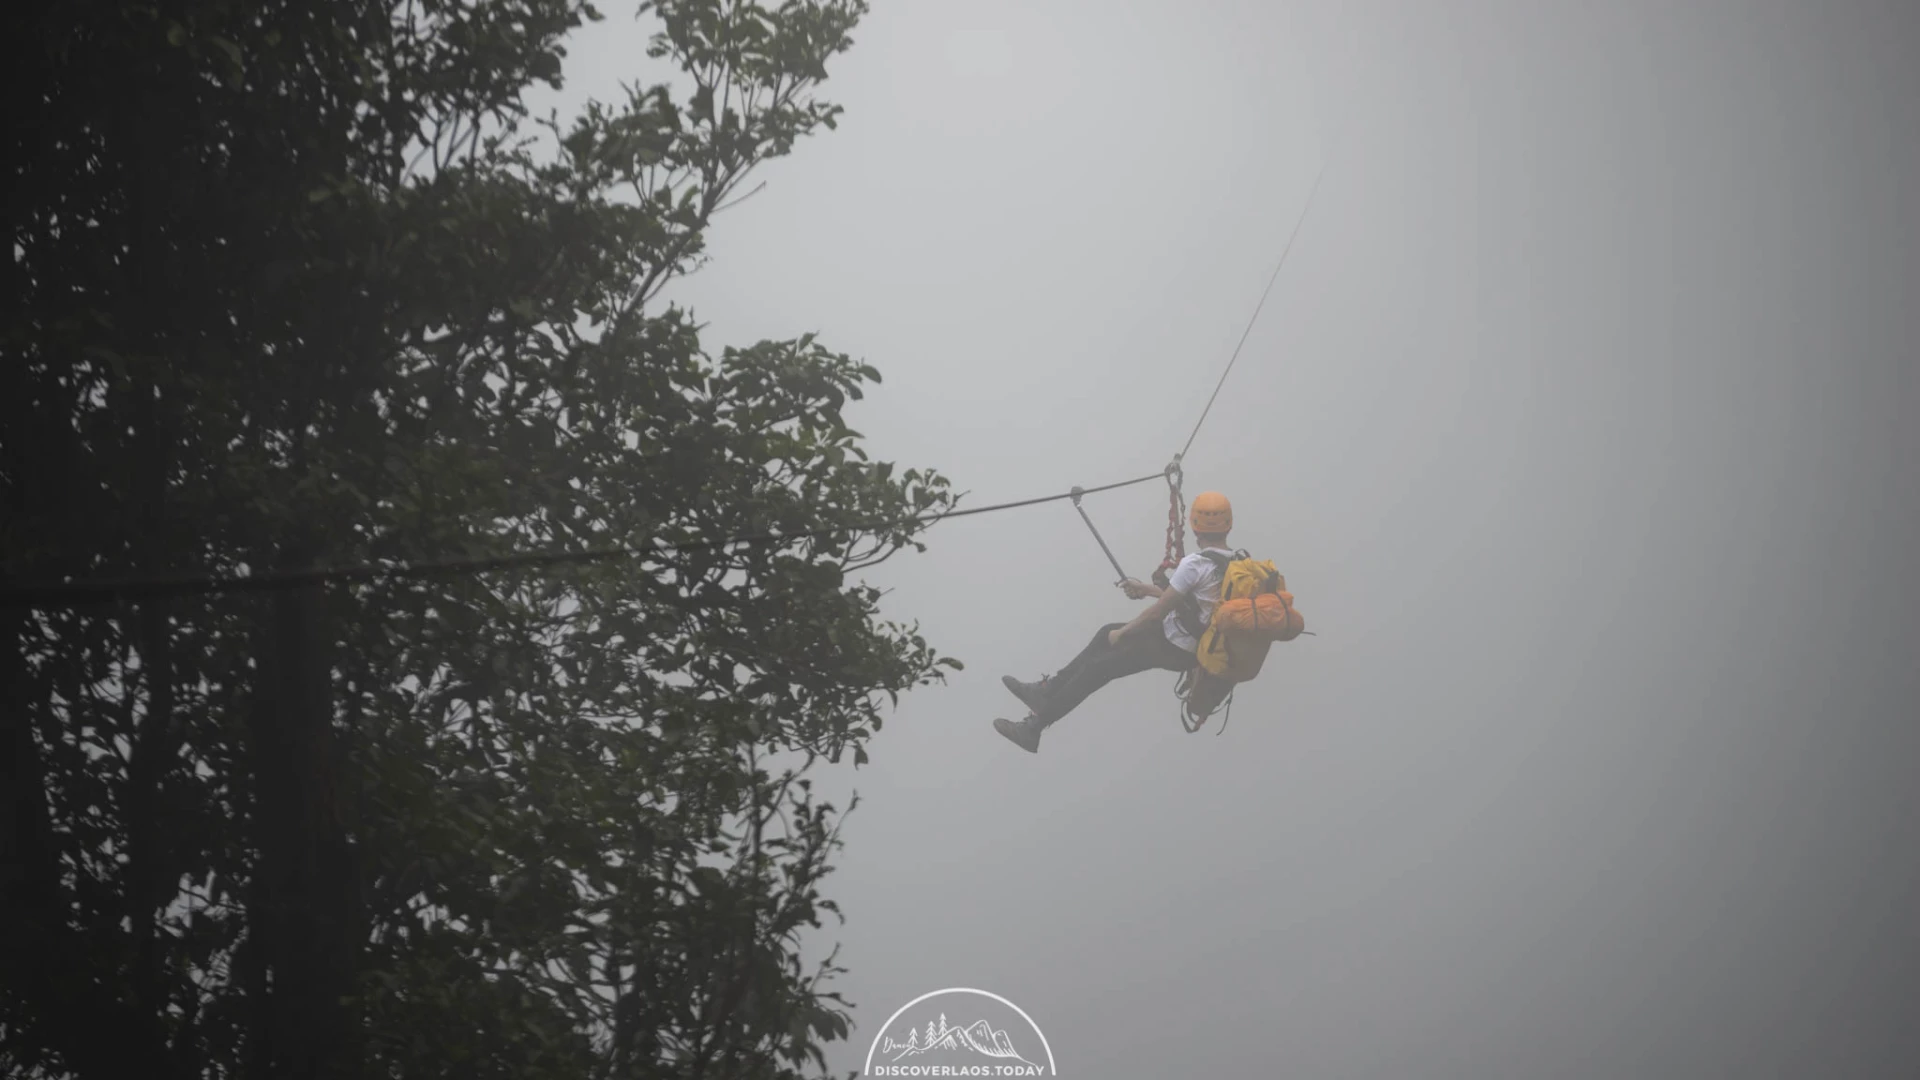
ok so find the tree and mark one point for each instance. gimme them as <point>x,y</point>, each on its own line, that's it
<point>299,284</point>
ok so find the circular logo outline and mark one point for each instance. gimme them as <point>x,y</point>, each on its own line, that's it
<point>866,1068</point>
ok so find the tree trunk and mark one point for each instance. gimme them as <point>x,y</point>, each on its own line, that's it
<point>306,913</point>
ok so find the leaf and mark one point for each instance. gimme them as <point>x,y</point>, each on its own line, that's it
<point>232,50</point>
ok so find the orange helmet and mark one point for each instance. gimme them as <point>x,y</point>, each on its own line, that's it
<point>1211,513</point>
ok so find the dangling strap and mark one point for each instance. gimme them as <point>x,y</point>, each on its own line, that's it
<point>1183,690</point>
<point>1190,719</point>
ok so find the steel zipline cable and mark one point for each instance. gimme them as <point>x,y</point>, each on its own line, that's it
<point>1175,467</point>
<point>1255,317</point>
<point>63,594</point>
<point>73,593</point>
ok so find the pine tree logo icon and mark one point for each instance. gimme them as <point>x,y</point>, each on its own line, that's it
<point>997,1037</point>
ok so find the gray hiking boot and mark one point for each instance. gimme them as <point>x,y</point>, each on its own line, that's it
<point>1024,734</point>
<point>1032,694</point>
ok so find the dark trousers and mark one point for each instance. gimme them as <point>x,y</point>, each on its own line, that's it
<point>1098,664</point>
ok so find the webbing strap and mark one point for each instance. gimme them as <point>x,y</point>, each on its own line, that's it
<point>1182,692</point>
<point>1191,718</point>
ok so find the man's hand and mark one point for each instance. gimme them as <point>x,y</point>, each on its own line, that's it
<point>1137,590</point>
<point>1162,604</point>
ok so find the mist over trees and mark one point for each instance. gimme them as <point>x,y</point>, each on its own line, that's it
<point>304,285</point>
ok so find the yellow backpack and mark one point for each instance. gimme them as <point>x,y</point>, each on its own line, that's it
<point>1255,610</point>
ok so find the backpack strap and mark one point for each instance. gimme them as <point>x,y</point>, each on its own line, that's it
<point>1186,611</point>
<point>1185,608</point>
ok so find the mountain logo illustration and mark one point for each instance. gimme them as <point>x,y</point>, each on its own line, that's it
<point>979,1036</point>
<point>919,1041</point>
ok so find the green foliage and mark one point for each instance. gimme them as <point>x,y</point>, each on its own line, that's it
<point>302,283</point>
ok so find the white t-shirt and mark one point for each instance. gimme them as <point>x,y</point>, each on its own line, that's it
<point>1197,576</point>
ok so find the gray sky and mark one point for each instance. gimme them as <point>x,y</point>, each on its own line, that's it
<point>1580,423</point>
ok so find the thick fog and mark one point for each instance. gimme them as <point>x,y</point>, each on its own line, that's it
<point>1580,420</point>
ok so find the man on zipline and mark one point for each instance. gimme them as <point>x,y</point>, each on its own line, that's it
<point>1163,637</point>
